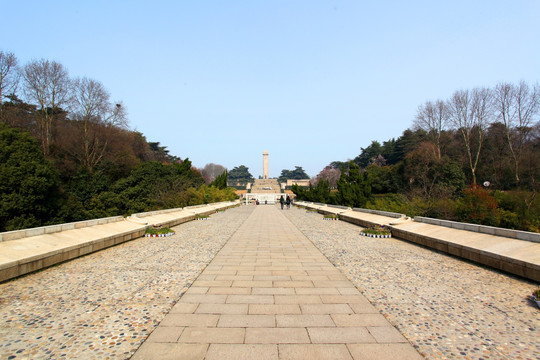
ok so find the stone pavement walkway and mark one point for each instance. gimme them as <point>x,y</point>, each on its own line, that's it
<point>270,294</point>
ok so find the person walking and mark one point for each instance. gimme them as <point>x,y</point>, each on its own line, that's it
<point>288,202</point>
<point>281,201</point>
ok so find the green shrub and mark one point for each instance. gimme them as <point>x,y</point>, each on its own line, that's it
<point>158,230</point>
<point>477,206</point>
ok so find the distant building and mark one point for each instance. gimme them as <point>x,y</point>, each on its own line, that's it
<point>299,182</point>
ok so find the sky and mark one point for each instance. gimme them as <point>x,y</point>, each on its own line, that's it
<point>310,81</point>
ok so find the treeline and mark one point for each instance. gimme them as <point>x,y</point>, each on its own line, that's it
<point>67,153</point>
<point>472,158</point>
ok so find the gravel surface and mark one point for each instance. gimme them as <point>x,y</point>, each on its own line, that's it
<point>103,305</point>
<point>447,308</point>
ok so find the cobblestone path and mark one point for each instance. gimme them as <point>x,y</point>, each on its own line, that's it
<point>270,294</point>
<point>105,304</point>
<point>102,306</point>
<point>447,308</point>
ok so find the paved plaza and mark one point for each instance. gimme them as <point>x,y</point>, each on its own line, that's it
<point>446,307</point>
<point>103,305</point>
<point>271,294</point>
<point>259,282</point>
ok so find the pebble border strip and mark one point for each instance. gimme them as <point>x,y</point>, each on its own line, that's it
<point>376,236</point>
<point>159,235</point>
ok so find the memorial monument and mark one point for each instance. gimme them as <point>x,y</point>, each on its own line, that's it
<point>265,164</point>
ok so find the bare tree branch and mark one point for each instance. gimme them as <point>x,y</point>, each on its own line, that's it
<point>9,75</point>
<point>433,118</point>
<point>471,113</point>
<point>517,108</point>
<point>47,84</point>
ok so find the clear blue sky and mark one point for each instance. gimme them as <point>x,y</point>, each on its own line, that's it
<point>310,81</point>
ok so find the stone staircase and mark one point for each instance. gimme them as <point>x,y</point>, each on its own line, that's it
<point>266,186</point>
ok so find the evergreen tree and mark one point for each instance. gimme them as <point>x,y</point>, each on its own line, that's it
<point>221,181</point>
<point>240,174</point>
<point>353,187</point>
<point>296,174</point>
<point>29,184</point>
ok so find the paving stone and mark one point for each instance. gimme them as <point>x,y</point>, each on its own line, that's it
<point>242,351</point>
<point>190,320</point>
<point>360,320</point>
<point>326,309</point>
<point>273,309</point>
<point>340,335</point>
<point>272,277</point>
<point>314,352</point>
<point>203,299</point>
<point>165,334</point>
<point>364,308</point>
<point>349,291</point>
<point>272,291</point>
<point>276,336</point>
<point>247,321</point>
<point>209,283</point>
<point>308,277</point>
<point>304,320</point>
<point>294,284</point>
<point>171,351</point>
<point>344,299</point>
<point>289,272</point>
<point>316,291</point>
<point>386,334</point>
<point>229,290</point>
<point>250,299</point>
<point>297,299</point>
<point>183,308</point>
<point>383,352</point>
<point>207,277</point>
<point>208,335</point>
<point>252,283</point>
<point>197,290</point>
<point>240,309</point>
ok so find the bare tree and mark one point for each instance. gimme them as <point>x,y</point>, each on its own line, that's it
<point>517,108</point>
<point>471,113</point>
<point>92,108</point>
<point>330,173</point>
<point>9,76</point>
<point>211,171</point>
<point>433,118</point>
<point>46,84</point>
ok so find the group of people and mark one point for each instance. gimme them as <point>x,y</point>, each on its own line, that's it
<point>283,201</point>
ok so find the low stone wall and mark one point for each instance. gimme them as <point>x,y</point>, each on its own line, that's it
<point>52,255</point>
<point>357,221</point>
<point>380,212</point>
<point>491,230</point>
<point>501,262</point>
<point>26,254</point>
<point>155,212</point>
<point>505,261</point>
<point>24,233</point>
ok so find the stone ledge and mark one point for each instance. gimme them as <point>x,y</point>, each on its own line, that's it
<point>16,268</point>
<point>47,246</point>
<point>380,212</point>
<point>494,248</point>
<point>24,233</point>
<point>497,261</point>
<point>491,230</point>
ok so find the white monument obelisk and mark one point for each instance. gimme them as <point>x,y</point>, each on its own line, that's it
<point>265,164</point>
